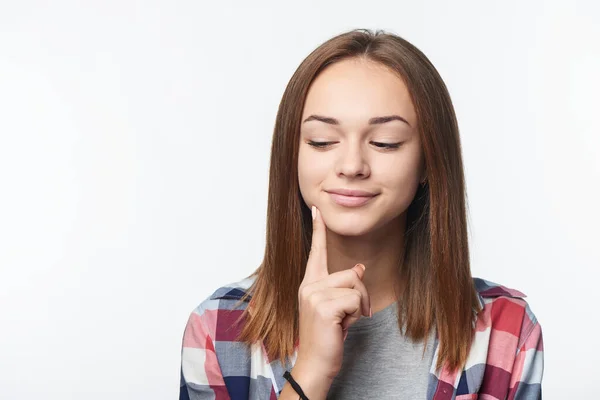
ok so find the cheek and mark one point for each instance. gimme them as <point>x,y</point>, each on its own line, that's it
<point>312,166</point>
<point>404,171</point>
<point>303,184</point>
<point>309,177</point>
<point>313,172</point>
<point>401,181</point>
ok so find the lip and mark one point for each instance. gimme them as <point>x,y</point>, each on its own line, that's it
<point>350,198</point>
<point>351,192</point>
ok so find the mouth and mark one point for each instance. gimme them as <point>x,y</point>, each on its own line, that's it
<point>351,198</point>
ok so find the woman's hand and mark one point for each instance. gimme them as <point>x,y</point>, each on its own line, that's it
<point>328,305</point>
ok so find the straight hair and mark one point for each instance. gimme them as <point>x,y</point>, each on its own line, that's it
<point>438,290</point>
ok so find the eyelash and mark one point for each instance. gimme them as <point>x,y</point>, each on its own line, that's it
<point>386,146</point>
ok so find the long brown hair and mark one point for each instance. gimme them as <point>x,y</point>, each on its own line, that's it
<point>439,291</point>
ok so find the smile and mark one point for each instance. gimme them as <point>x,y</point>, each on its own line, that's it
<point>350,201</point>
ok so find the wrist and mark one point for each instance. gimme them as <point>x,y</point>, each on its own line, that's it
<point>315,385</point>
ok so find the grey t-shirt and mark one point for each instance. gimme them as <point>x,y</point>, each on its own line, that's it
<point>381,363</point>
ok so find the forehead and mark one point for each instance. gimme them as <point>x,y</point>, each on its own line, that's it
<point>356,90</point>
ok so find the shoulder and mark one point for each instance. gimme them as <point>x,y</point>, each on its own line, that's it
<point>489,289</point>
<point>506,359</point>
<point>221,310</point>
<point>505,311</point>
<point>214,361</point>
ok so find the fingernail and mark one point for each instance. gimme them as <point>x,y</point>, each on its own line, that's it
<point>345,335</point>
<point>314,212</point>
<point>370,313</point>
<point>362,266</point>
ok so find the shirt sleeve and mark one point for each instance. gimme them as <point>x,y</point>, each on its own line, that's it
<point>201,377</point>
<point>528,368</point>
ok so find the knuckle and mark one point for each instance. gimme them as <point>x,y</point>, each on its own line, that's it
<point>302,292</point>
<point>306,292</point>
<point>354,279</point>
<point>313,300</point>
<point>351,275</point>
<point>354,275</point>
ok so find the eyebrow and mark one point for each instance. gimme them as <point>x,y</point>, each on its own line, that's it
<point>372,121</point>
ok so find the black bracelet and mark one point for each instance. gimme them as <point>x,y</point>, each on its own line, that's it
<point>295,385</point>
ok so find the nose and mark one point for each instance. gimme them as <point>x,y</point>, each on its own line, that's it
<point>352,162</point>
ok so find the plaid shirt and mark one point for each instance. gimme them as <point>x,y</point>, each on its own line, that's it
<point>505,360</point>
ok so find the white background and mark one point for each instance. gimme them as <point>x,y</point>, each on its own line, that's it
<point>134,153</point>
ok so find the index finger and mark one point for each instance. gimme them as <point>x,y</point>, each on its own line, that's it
<point>316,267</point>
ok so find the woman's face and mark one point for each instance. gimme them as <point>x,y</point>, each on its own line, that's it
<point>381,157</point>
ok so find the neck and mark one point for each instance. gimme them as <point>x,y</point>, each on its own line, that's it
<point>380,251</point>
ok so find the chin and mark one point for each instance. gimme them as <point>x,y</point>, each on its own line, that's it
<point>350,231</point>
<point>348,225</point>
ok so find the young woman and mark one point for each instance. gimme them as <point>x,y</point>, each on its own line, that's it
<point>365,289</point>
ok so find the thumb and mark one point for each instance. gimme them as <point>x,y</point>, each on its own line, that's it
<point>360,270</point>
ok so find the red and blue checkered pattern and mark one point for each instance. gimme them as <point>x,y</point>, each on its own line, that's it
<point>505,360</point>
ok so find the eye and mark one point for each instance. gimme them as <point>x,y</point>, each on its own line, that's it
<point>319,145</point>
<point>386,145</point>
<point>380,145</point>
